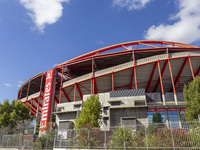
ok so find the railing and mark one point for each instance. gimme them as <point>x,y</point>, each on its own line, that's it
<point>179,135</point>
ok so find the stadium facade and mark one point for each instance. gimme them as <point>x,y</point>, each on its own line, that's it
<point>134,80</point>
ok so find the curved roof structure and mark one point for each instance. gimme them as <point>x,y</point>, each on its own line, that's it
<point>156,66</point>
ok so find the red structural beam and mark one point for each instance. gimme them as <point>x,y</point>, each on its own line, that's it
<point>33,106</point>
<point>57,101</point>
<point>189,60</point>
<point>66,96</point>
<point>28,90</point>
<point>151,77</point>
<point>96,52</point>
<point>74,92</point>
<point>160,77</point>
<point>113,82</point>
<point>158,82</point>
<point>37,102</point>
<point>132,76</point>
<point>95,87</point>
<point>180,72</point>
<point>129,68</point>
<point>61,85</point>
<point>171,74</point>
<point>79,91</point>
<point>33,114</point>
<point>163,70</point>
<point>134,68</point>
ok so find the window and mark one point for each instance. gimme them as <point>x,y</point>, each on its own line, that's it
<point>115,103</point>
<point>77,106</point>
<point>173,117</point>
<point>182,112</point>
<point>152,111</point>
<point>129,122</point>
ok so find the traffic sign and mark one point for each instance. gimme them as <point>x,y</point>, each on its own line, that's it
<point>34,136</point>
<point>34,140</point>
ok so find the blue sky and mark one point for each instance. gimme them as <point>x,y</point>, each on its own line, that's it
<point>35,35</point>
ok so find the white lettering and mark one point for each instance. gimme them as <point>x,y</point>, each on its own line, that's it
<point>48,88</point>
<point>43,124</point>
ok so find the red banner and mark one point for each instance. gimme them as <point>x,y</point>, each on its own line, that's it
<point>156,109</point>
<point>171,109</point>
<point>182,109</point>
<point>47,101</point>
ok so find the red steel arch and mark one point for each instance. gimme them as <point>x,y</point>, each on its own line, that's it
<point>125,44</point>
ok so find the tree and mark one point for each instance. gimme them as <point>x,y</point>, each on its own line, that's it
<point>192,98</point>
<point>126,137</point>
<point>91,112</point>
<point>157,118</point>
<point>14,116</point>
<point>88,123</point>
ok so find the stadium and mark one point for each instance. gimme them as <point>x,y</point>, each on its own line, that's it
<point>134,80</point>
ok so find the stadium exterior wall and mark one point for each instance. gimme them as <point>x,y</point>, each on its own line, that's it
<point>133,84</point>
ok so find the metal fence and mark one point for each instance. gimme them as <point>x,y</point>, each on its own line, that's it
<point>178,135</point>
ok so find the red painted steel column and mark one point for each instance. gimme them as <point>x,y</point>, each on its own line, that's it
<point>65,94</point>
<point>31,105</point>
<point>92,78</point>
<point>163,70</point>
<point>28,90</point>
<point>161,84</point>
<point>152,74</point>
<point>131,85</point>
<point>180,72</point>
<point>79,91</point>
<point>41,83</point>
<point>191,67</point>
<point>20,94</point>
<point>179,85</point>
<point>74,92</point>
<point>113,83</point>
<point>95,87</point>
<point>61,84</point>
<point>135,74</point>
<point>170,69</point>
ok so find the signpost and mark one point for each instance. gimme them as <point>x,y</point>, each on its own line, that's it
<point>34,136</point>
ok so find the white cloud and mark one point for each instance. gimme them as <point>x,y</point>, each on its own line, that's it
<point>131,4</point>
<point>44,12</point>
<point>19,85</point>
<point>7,84</point>
<point>186,28</point>
<point>20,82</point>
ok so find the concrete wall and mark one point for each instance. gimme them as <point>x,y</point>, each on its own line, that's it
<point>139,113</point>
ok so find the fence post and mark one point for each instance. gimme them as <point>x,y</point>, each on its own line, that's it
<point>74,137</point>
<point>146,137</point>
<point>172,135</point>
<point>20,140</point>
<point>47,141</point>
<point>2,141</point>
<point>124,140</point>
<point>54,141</point>
<point>13,140</point>
<point>7,141</point>
<point>105,138</point>
<point>61,139</point>
<point>88,138</point>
